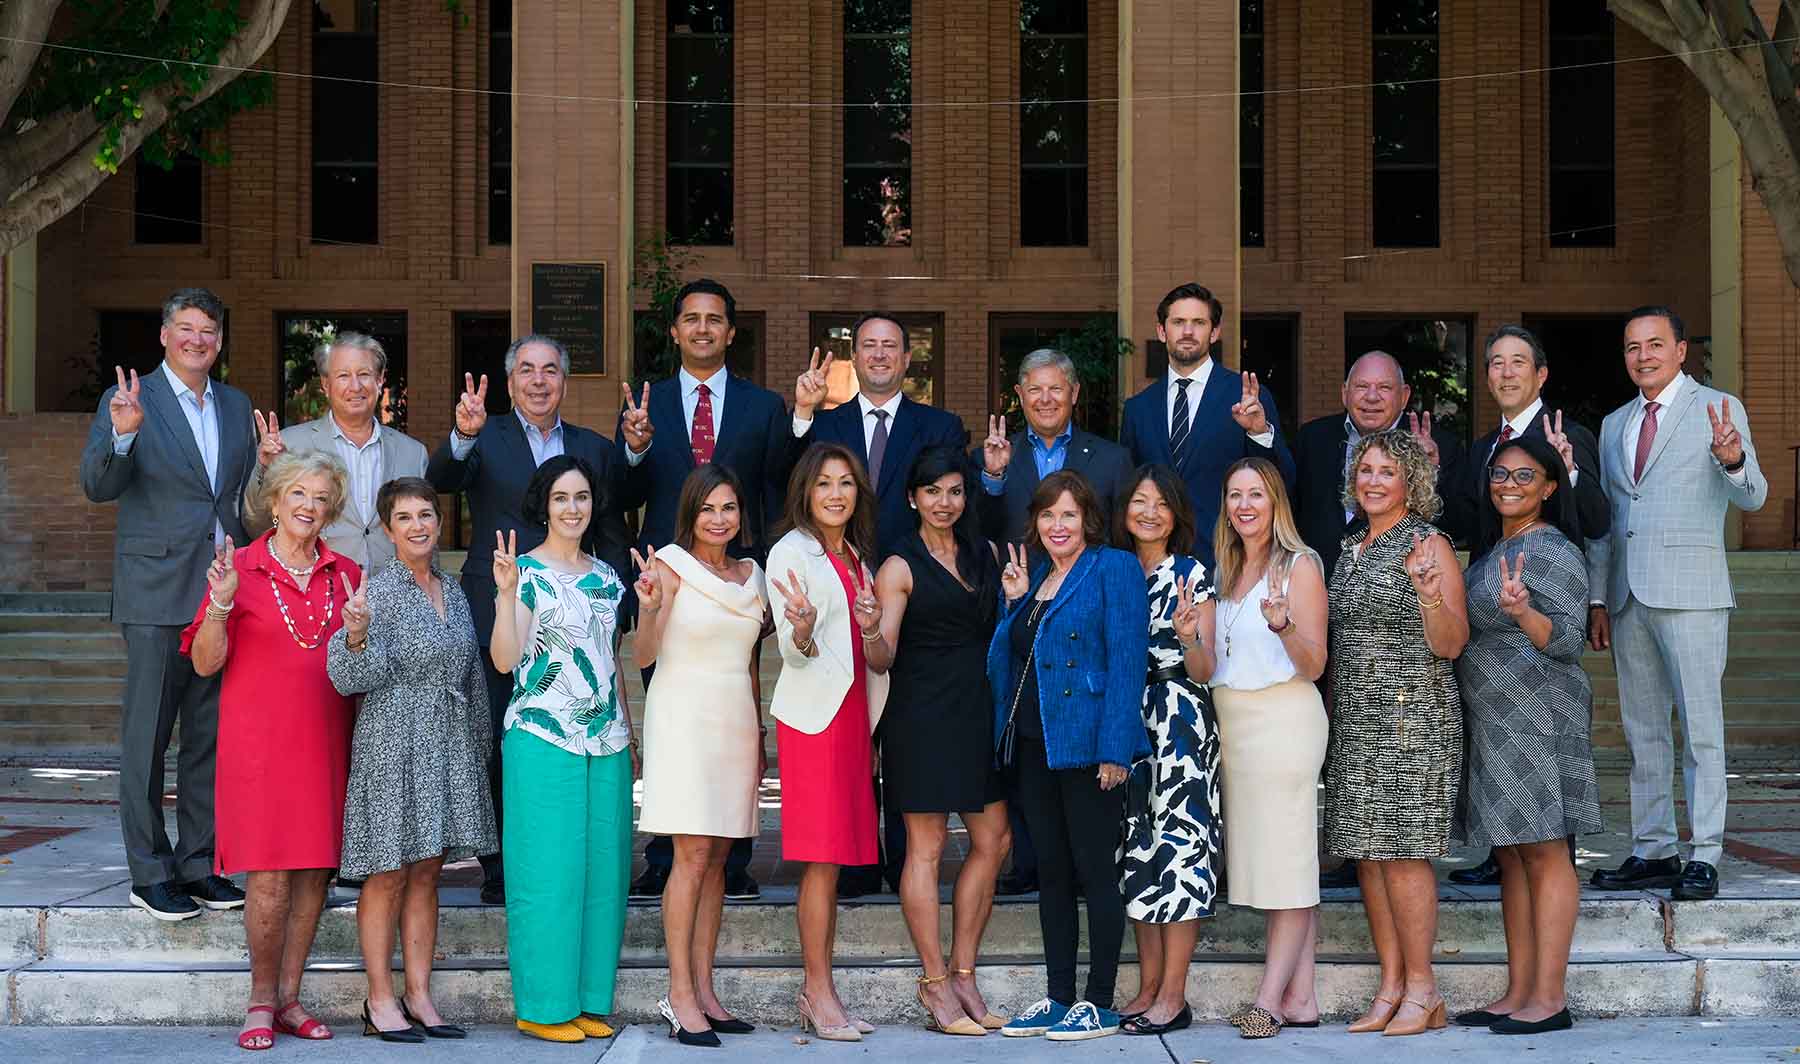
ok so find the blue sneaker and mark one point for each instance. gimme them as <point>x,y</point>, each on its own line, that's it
<point>1084,1020</point>
<point>1037,1019</point>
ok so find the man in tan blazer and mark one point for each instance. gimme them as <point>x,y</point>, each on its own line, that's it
<point>353,369</point>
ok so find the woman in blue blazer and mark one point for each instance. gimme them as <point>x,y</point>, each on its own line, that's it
<point>1066,666</point>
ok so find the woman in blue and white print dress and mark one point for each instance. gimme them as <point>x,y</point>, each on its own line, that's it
<point>1171,843</point>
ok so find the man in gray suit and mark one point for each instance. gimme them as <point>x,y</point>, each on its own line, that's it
<point>353,369</point>
<point>174,449</point>
<point>1672,459</point>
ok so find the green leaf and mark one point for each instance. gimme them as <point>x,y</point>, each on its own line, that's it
<point>550,673</point>
<point>587,669</point>
<point>542,719</point>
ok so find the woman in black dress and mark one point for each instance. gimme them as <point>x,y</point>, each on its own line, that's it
<point>940,598</point>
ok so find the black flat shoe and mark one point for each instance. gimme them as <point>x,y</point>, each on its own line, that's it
<point>1295,1023</point>
<point>1012,885</point>
<point>1141,1024</point>
<point>493,892</point>
<point>733,1025</point>
<point>1478,1018</point>
<point>1339,878</point>
<point>649,886</point>
<point>408,1035</point>
<point>442,1030</point>
<point>1699,882</point>
<point>1562,1021</point>
<point>1485,874</point>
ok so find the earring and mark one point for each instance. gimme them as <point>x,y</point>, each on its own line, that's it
<point>275,519</point>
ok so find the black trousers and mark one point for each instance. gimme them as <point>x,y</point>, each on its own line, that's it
<point>1076,827</point>
<point>659,852</point>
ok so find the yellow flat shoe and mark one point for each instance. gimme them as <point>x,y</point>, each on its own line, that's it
<point>593,1026</point>
<point>552,1032</point>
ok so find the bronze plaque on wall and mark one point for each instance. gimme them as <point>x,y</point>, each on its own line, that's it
<point>568,302</point>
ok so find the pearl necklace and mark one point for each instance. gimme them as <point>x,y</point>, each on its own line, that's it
<point>293,572</point>
<point>318,638</point>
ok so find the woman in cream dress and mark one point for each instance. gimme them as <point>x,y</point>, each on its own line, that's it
<point>702,617</point>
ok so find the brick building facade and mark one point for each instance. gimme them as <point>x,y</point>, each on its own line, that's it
<point>976,200</point>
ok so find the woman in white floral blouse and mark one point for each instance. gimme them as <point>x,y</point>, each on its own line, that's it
<point>567,749</point>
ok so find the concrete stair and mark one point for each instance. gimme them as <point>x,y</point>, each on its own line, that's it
<point>1635,954</point>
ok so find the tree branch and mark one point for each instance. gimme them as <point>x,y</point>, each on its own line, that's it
<point>55,194</point>
<point>26,22</point>
<point>1649,19</point>
<point>41,147</point>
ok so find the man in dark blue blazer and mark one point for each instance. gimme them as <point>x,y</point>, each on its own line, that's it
<point>704,413</point>
<point>490,461</point>
<point>880,425</point>
<point>1201,417</point>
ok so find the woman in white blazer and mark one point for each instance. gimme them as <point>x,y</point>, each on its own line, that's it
<point>828,700</point>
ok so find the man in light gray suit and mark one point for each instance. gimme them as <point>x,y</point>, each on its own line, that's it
<point>1672,460</point>
<point>353,369</point>
<point>175,450</point>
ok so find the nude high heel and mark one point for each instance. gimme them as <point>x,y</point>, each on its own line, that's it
<point>991,1021</point>
<point>1376,1019</point>
<point>961,1025</point>
<point>1431,1019</point>
<point>843,1032</point>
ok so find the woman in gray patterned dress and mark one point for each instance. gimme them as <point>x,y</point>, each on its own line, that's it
<point>1398,621</point>
<point>1530,777</point>
<point>418,792</point>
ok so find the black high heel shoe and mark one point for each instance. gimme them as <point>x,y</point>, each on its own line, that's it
<point>683,1035</point>
<point>442,1030</point>
<point>732,1025</point>
<point>408,1034</point>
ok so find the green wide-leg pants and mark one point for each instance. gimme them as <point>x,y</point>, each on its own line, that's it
<point>567,852</point>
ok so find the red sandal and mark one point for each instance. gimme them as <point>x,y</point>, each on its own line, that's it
<point>308,1028</point>
<point>250,1035</point>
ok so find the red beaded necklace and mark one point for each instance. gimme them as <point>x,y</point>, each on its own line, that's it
<point>318,638</point>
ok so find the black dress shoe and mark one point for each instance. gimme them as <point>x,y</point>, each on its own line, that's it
<point>409,1034</point>
<point>349,883</point>
<point>1485,874</point>
<point>740,886</point>
<point>1011,885</point>
<point>1639,874</point>
<point>442,1030</point>
<point>1699,882</point>
<point>1141,1024</point>
<point>649,886</point>
<point>1342,876</point>
<point>165,901</point>
<point>1562,1021</point>
<point>733,1025</point>
<point>855,883</point>
<point>1478,1018</point>
<point>214,892</point>
<point>493,892</point>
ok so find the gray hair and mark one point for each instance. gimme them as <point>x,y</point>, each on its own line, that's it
<point>1399,370</point>
<point>292,466</point>
<point>1046,357</point>
<point>1518,332</point>
<point>512,353</point>
<point>201,299</point>
<point>356,341</point>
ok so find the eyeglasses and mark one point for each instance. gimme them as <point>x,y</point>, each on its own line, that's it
<point>1500,474</point>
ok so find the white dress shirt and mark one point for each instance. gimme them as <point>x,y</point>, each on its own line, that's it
<point>364,463</point>
<point>690,402</point>
<point>1200,375</point>
<point>1666,397</point>
<point>202,415</point>
<point>803,425</point>
<point>544,445</point>
<point>1521,423</point>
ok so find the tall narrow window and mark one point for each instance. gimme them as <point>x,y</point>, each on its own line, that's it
<point>1581,124</point>
<point>878,123</point>
<point>499,104</point>
<point>700,130</point>
<point>1250,123</point>
<point>345,131</point>
<point>1405,70</point>
<point>1053,128</point>
<point>167,206</point>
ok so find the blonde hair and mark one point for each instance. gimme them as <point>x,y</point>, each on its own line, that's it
<point>1406,450</point>
<point>291,467</point>
<point>1285,543</point>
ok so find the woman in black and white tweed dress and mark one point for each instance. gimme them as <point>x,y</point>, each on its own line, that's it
<point>1529,781</point>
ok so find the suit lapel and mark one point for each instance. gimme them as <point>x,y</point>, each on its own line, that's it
<point>900,437</point>
<point>1666,425</point>
<point>1081,452</point>
<point>1024,462</point>
<point>162,403</point>
<point>731,417</point>
<point>231,423</point>
<point>665,409</point>
<point>1085,565</point>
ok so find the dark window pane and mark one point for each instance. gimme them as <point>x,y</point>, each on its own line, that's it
<point>1587,372</point>
<point>168,202</point>
<point>1270,349</point>
<point>1580,141</point>
<point>700,16</point>
<point>699,206</point>
<point>344,209</point>
<point>877,16</point>
<point>1405,16</point>
<point>877,207</point>
<point>500,205</point>
<point>1053,206</point>
<point>700,133</point>
<point>499,106</point>
<point>1580,18</point>
<point>1250,207</point>
<point>1053,16</point>
<point>1053,68</point>
<point>1581,208</point>
<point>344,16</point>
<point>1250,16</point>
<point>1406,208</point>
<point>1434,352</point>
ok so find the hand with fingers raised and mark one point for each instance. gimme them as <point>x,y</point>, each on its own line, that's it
<point>996,450</point>
<point>649,582</point>
<point>126,407</point>
<point>506,562</point>
<point>635,425</point>
<point>1187,612</point>
<point>1727,442</point>
<point>269,444</point>
<point>355,611</point>
<point>222,577</point>
<point>866,608</point>
<point>797,608</point>
<point>1515,599</point>
<point>471,409</point>
<point>1275,604</point>
<point>810,387</point>
<point>1015,577</point>
<point>1248,411</point>
<point>1419,424</point>
<point>1553,432</point>
<point>1423,569</point>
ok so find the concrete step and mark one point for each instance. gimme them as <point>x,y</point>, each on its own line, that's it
<point>18,691</point>
<point>40,621</point>
<point>107,667</point>
<point>66,738</point>
<point>82,644</point>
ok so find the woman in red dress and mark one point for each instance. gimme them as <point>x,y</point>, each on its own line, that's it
<point>827,701</point>
<point>284,731</point>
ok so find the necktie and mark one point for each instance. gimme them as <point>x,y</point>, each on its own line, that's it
<point>1646,437</point>
<point>877,448</point>
<point>701,437</point>
<point>1178,422</point>
<point>1506,432</point>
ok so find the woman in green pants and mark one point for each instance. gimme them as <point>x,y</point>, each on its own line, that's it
<point>567,752</point>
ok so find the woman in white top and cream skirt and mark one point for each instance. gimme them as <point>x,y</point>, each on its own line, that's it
<point>1270,647</point>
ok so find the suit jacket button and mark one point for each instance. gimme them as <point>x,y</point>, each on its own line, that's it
<point>1071,664</point>
<point>1067,692</point>
<point>1074,635</point>
<point>1628,535</point>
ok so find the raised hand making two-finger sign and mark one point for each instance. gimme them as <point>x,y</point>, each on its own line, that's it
<point>126,407</point>
<point>797,608</point>
<point>1727,442</point>
<point>649,582</point>
<point>867,608</point>
<point>1275,603</point>
<point>222,576</point>
<point>996,450</point>
<point>634,425</point>
<point>811,385</point>
<point>1515,598</point>
<point>1187,611</point>
<point>1248,411</point>
<point>269,444</point>
<point>1015,577</point>
<point>1553,432</point>
<point>506,562</point>
<point>1419,424</point>
<point>355,609</point>
<point>471,409</point>
<point>1423,569</point>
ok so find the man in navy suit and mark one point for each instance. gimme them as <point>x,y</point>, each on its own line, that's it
<point>1201,417</point>
<point>491,462</point>
<point>704,413</point>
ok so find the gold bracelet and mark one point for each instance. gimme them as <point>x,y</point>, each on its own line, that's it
<point>1439,601</point>
<point>807,649</point>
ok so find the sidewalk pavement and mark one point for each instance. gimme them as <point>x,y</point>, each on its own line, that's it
<point>1611,1041</point>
